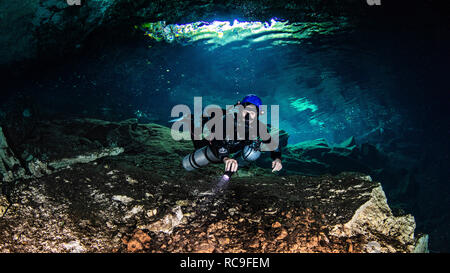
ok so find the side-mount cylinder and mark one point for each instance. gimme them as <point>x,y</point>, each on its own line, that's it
<point>199,158</point>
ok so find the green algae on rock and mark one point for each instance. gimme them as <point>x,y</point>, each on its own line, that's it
<point>92,206</point>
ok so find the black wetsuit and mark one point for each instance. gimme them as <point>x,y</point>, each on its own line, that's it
<point>226,148</point>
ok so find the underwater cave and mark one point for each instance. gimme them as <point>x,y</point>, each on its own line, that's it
<point>85,118</point>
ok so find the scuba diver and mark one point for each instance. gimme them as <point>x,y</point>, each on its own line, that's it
<point>237,147</point>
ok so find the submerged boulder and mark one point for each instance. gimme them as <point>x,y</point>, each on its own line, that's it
<point>315,157</point>
<point>10,166</point>
<point>348,143</point>
<point>142,200</point>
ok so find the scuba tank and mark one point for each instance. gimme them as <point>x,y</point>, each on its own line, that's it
<point>251,152</point>
<point>200,158</point>
<point>203,156</point>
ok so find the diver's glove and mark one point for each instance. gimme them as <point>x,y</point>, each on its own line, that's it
<point>231,165</point>
<point>276,165</point>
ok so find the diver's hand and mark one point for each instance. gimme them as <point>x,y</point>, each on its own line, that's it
<point>230,164</point>
<point>276,165</point>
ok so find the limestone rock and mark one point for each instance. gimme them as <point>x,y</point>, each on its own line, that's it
<point>167,223</point>
<point>10,167</point>
<point>349,142</point>
<point>4,204</point>
<point>374,219</point>
<point>138,242</point>
<point>122,198</point>
<point>91,207</point>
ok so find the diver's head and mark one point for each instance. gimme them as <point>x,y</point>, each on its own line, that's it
<point>251,104</point>
<point>251,112</point>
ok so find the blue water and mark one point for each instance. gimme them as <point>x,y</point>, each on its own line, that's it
<point>388,89</point>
